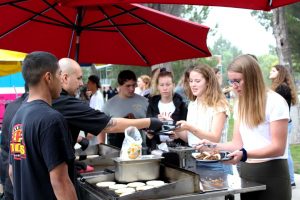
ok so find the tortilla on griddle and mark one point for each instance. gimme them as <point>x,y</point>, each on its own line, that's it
<point>155,183</point>
<point>135,184</point>
<point>105,183</point>
<point>117,186</point>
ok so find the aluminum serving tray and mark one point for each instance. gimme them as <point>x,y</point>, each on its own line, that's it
<point>141,169</point>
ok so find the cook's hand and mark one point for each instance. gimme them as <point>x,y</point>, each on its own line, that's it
<point>173,135</point>
<point>155,124</point>
<point>149,135</point>
<point>182,126</point>
<point>165,116</point>
<point>84,142</point>
<point>236,157</point>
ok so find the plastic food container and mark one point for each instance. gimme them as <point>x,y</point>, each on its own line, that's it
<point>142,169</point>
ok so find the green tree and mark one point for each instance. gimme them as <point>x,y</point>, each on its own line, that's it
<point>195,13</point>
<point>291,18</point>
<point>227,51</point>
<point>293,21</point>
<point>266,62</point>
<point>117,68</point>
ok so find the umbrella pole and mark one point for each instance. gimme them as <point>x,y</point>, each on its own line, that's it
<point>77,47</point>
<point>78,32</point>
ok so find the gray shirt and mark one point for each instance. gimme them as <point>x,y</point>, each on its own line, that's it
<point>120,107</point>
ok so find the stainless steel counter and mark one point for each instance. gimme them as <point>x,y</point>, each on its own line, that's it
<point>236,185</point>
<point>232,184</point>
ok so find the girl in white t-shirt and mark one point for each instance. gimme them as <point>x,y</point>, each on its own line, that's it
<point>207,113</point>
<point>260,132</point>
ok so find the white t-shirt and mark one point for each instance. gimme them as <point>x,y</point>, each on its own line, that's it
<point>260,136</point>
<point>166,108</point>
<point>201,117</point>
<point>97,101</point>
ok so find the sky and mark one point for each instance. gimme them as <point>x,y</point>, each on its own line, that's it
<point>241,29</point>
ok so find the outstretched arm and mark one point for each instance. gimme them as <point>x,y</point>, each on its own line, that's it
<point>120,124</point>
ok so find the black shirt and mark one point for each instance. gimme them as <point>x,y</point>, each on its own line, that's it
<point>285,92</point>
<point>10,111</point>
<point>180,113</point>
<point>80,116</point>
<point>38,144</point>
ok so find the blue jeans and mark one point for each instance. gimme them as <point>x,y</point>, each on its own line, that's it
<point>218,168</point>
<point>290,159</point>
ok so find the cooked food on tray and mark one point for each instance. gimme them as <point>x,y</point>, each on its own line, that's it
<point>105,184</point>
<point>135,184</point>
<point>212,156</point>
<point>155,183</point>
<point>117,186</point>
<point>205,155</point>
<point>218,182</point>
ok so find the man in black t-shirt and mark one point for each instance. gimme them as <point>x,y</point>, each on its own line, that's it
<point>41,154</point>
<point>81,117</point>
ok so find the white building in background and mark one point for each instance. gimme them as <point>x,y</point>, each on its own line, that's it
<point>104,72</point>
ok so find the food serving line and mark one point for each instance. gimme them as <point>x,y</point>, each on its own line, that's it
<point>180,183</point>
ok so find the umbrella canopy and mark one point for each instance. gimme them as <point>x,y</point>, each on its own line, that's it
<point>10,62</point>
<point>252,4</point>
<point>119,34</point>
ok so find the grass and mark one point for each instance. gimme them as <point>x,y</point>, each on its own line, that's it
<point>295,148</point>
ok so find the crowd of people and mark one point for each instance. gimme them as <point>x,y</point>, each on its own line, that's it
<point>41,128</point>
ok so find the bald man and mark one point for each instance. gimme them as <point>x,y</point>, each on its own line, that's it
<point>80,116</point>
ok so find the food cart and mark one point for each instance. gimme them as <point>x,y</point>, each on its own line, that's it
<point>179,183</point>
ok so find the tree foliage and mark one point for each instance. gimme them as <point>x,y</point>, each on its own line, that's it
<point>264,18</point>
<point>266,62</point>
<point>224,48</point>
<point>292,16</point>
<point>195,13</point>
<point>293,21</point>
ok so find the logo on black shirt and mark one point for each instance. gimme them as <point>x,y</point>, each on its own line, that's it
<point>17,145</point>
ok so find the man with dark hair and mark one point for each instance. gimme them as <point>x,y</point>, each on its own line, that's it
<point>125,104</point>
<point>126,75</point>
<point>80,116</point>
<point>41,154</point>
<point>96,99</point>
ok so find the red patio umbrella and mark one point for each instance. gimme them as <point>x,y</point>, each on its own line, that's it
<point>119,34</point>
<point>249,4</point>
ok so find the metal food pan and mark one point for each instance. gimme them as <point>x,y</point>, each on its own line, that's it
<point>142,169</point>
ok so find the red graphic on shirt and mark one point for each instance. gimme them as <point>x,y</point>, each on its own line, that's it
<point>17,145</point>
